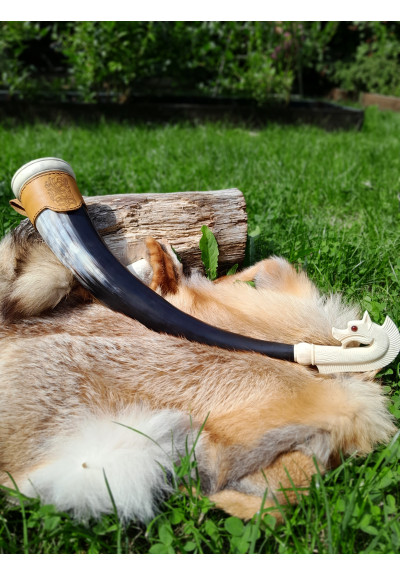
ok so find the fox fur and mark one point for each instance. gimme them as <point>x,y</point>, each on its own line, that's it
<point>92,401</point>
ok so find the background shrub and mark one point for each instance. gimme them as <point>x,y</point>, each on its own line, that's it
<point>374,65</point>
<point>90,61</point>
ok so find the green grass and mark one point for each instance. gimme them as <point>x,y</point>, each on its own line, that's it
<point>326,201</point>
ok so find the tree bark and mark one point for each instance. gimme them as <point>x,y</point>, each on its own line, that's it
<point>124,220</point>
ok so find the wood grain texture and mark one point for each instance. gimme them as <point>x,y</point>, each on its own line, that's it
<point>124,220</point>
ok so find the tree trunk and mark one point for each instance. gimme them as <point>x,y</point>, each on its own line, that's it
<point>124,220</point>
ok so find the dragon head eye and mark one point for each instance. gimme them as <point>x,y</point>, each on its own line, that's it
<point>354,328</point>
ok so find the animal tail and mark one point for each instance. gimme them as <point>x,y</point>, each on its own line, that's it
<point>126,460</point>
<point>32,280</point>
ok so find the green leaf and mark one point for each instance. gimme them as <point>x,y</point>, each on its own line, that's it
<point>209,252</point>
<point>176,516</point>
<point>45,510</point>
<point>165,534</point>
<point>251,531</point>
<point>234,526</point>
<point>387,479</point>
<point>369,529</point>
<point>390,504</point>
<point>232,271</point>
<point>189,546</point>
<point>51,522</point>
<point>255,233</point>
<point>250,283</point>
<point>340,505</point>
<point>211,529</point>
<point>270,520</point>
<point>365,521</point>
<point>159,548</point>
<point>240,545</point>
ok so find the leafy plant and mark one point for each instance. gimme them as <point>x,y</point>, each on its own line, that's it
<point>15,38</point>
<point>106,56</point>
<point>120,59</point>
<point>209,252</point>
<point>375,65</point>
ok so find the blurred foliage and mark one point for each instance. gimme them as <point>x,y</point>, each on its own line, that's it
<point>374,66</point>
<point>92,61</point>
<point>16,74</point>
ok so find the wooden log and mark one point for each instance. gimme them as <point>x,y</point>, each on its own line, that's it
<point>124,220</point>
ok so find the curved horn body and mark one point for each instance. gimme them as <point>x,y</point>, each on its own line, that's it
<point>47,193</point>
<point>73,239</point>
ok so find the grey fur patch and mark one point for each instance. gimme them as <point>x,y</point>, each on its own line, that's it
<point>273,443</point>
<point>246,485</point>
<point>316,445</point>
<point>241,460</point>
<point>207,474</point>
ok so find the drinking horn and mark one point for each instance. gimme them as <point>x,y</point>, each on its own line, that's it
<point>47,193</point>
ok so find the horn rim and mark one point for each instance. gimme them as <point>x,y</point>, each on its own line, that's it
<point>35,167</point>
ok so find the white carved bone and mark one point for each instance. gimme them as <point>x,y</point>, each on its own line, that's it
<point>381,346</point>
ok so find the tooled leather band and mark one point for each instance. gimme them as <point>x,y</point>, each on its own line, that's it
<point>55,190</point>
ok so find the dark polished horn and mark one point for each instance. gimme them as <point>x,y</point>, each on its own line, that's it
<point>47,193</point>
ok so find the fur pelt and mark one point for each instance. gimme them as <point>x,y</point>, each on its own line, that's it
<point>87,394</point>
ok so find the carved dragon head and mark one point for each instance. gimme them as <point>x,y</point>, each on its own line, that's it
<point>358,331</point>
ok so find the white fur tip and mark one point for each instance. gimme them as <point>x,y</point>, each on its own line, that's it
<point>139,465</point>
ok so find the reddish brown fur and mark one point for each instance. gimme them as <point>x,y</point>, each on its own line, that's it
<point>81,357</point>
